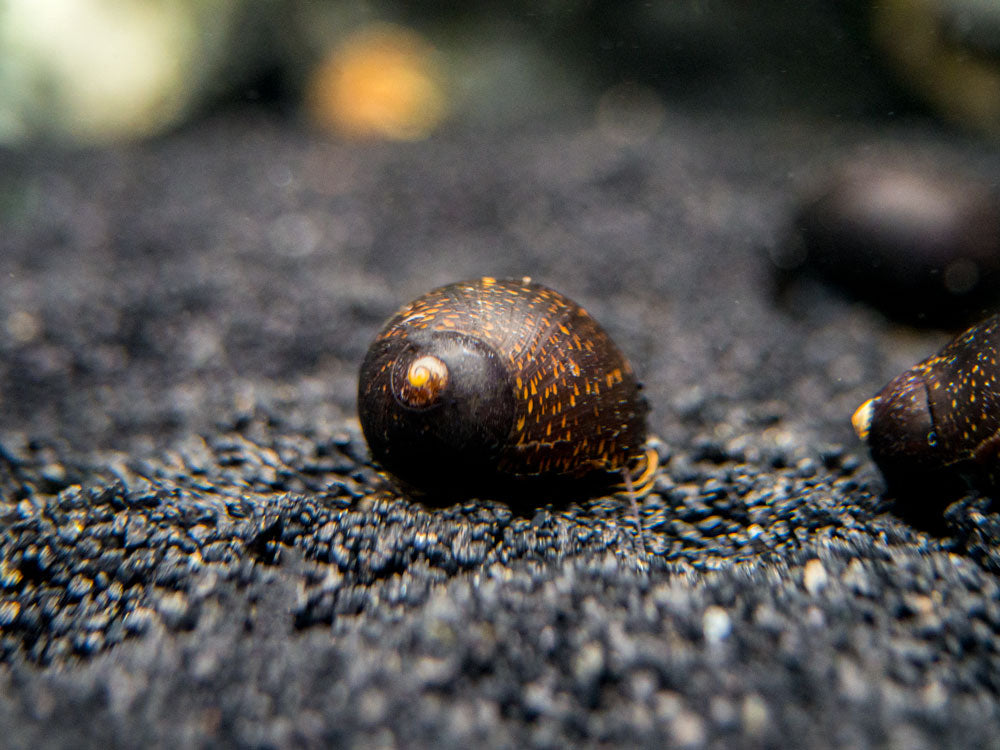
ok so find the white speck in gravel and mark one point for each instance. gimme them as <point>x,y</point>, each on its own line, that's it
<point>716,624</point>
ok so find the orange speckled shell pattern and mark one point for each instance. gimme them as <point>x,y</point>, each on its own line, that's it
<point>577,403</point>
<point>962,391</point>
<point>945,410</point>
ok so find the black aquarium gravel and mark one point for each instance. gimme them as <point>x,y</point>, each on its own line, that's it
<point>196,551</point>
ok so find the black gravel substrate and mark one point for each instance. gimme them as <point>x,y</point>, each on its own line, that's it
<point>196,552</point>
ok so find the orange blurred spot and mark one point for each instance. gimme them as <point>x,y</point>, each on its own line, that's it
<point>379,82</point>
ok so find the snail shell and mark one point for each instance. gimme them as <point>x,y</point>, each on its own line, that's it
<point>940,420</point>
<point>921,244</point>
<point>487,380</point>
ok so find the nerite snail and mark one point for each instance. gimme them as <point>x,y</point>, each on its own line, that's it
<point>481,382</point>
<point>939,421</point>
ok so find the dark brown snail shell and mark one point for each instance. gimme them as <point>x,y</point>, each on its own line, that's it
<point>938,423</point>
<point>484,381</point>
<point>922,245</point>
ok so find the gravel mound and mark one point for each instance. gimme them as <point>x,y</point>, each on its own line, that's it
<point>196,551</point>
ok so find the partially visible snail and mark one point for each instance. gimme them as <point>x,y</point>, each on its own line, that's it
<point>938,423</point>
<point>484,382</point>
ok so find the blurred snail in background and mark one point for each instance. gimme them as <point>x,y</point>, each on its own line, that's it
<point>937,425</point>
<point>482,383</point>
<point>920,242</point>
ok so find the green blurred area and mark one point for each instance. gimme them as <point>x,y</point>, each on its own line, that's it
<point>94,71</point>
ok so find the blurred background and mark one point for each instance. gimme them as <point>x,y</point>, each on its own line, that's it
<point>84,72</point>
<point>206,205</point>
